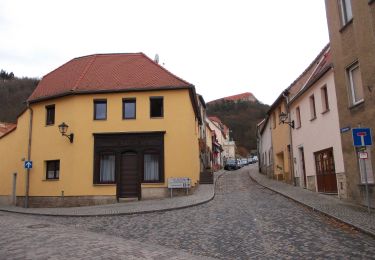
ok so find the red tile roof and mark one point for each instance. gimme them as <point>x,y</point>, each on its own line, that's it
<point>323,65</point>
<point>306,77</point>
<point>244,96</point>
<point>309,73</point>
<point>215,118</point>
<point>106,73</point>
<point>6,128</point>
<point>224,129</point>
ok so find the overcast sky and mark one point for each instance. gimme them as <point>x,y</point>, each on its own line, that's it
<point>222,47</point>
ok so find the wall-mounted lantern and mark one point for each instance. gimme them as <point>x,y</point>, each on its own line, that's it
<point>283,116</point>
<point>63,128</point>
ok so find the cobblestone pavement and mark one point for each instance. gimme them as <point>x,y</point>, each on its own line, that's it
<point>32,238</point>
<point>347,212</point>
<point>244,221</point>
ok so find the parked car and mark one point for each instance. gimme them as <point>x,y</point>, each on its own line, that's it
<point>231,164</point>
<point>240,163</point>
<point>244,161</point>
<point>255,158</point>
<point>250,159</point>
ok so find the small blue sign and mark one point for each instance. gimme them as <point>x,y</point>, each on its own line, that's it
<point>345,129</point>
<point>361,136</point>
<point>28,164</point>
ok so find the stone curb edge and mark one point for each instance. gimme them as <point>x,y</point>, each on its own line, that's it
<point>364,230</point>
<point>124,213</point>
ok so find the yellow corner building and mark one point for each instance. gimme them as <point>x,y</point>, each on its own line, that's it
<point>98,129</point>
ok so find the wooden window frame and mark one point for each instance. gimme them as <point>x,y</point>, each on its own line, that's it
<point>129,100</point>
<point>50,121</point>
<point>162,109</point>
<point>97,157</point>
<point>161,165</point>
<point>100,101</point>
<point>56,177</point>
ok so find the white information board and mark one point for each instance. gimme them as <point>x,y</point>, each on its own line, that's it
<point>178,183</point>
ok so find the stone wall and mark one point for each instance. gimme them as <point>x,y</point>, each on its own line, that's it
<point>67,201</point>
<point>311,183</point>
<point>341,185</point>
<point>5,200</point>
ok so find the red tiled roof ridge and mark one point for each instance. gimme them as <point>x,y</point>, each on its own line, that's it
<point>90,73</point>
<point>315,61</point>
<point>6,128</point>
<point>88,65</point>
<point>214,118</point>
<point>187,83</point>
<point>293,86</point>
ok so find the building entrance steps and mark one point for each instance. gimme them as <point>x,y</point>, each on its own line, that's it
<point>204,193</point>
<point>351,214</point>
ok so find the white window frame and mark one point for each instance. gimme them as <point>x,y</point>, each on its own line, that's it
<point>351,83</point>
<point>344,12</point>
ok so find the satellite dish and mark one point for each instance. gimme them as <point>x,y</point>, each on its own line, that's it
<point>156,58</point>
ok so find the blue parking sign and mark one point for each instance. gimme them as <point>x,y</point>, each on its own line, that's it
<point>361,136</point>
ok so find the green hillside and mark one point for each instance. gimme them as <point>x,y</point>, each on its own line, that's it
<point>13,95</point>
<point>242,118</point>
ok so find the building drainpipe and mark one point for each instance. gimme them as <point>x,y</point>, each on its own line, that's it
<point>28,156</point>
<point>286,96</point>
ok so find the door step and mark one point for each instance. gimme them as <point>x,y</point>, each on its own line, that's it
<point>121,200</point>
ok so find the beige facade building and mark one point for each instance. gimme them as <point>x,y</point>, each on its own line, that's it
<point>317,150</point>
<point>352,35</point>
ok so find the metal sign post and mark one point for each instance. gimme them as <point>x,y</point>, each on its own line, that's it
<point>362,138</point>
<point>363,159</point>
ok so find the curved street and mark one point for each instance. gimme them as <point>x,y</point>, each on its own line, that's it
<point>244,221</point>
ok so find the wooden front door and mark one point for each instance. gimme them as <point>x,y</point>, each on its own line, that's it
<point>325,171</point>
<point>129,186</point>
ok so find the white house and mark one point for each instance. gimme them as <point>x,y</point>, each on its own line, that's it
<point>218,142</point>
<point>265,155</point>
<point>317,151</point>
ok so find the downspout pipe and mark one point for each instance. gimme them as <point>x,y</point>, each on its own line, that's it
<point>31,112</point>
<point>286,96</point>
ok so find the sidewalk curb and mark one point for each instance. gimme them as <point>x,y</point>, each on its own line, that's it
<point>123,213</point>
<point>358,228</point>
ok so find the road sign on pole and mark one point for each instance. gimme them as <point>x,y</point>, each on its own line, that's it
<point>361,136</point>
<point>28,164</point>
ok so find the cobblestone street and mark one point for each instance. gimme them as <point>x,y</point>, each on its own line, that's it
<point>244,221</point>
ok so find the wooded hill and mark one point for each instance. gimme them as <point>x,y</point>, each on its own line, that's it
<point>13,95</point>
<point>242,118</point>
